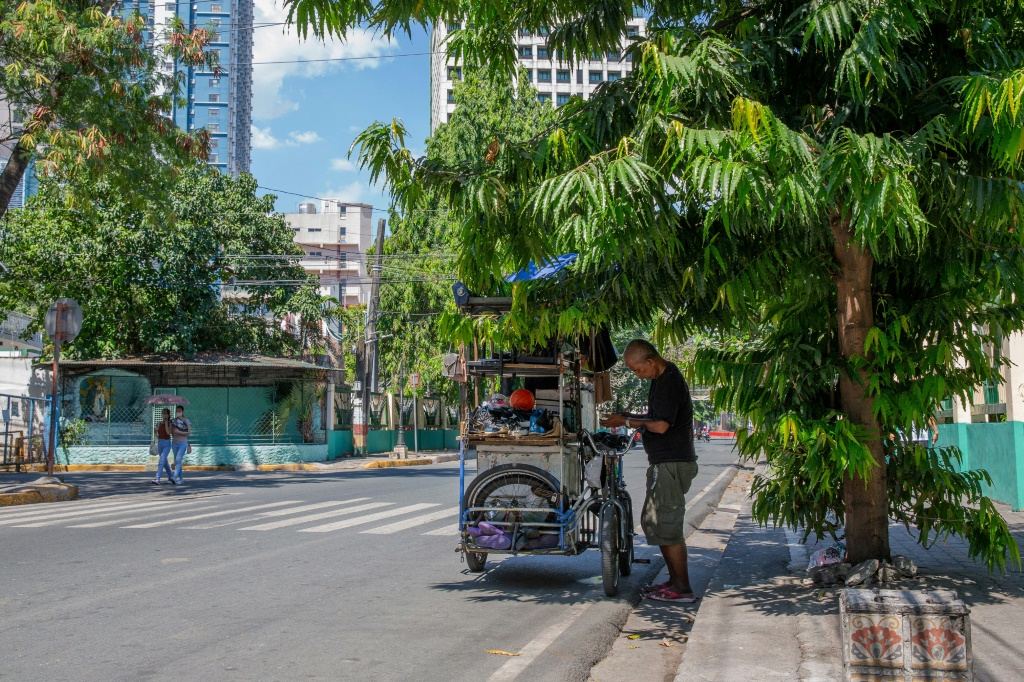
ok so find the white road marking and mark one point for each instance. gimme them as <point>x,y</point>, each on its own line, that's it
<point>119,518</point>
<point>418,521</point>
<point>167,522</point>
<point>61,518</point>
<point>690,504</point>
<point>348,523</point>
<point>37,514</point>
<point>514,666</point>
<point>276,512</point>
<point>316,517</point>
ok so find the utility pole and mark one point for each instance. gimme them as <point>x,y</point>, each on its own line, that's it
<point>371,327</point>
<point>367,352</point>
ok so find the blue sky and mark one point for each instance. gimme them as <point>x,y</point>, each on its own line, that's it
<point>306,115</point>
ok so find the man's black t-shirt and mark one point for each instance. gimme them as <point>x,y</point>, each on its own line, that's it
<point>669,400</point>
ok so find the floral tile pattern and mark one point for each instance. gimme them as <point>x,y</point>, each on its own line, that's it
<point>937,644</point>
<point>875,640</point>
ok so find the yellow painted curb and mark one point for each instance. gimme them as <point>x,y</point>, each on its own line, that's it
<point>288,466</point>
<point>388,463</point>
<point>40,493</point>
<point>117,467</point>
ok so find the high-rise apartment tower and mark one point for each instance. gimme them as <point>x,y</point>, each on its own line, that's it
<point>555,80</point>
<point>218,100</point>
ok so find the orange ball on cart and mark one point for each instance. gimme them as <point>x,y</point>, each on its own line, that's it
<point>522,399</point>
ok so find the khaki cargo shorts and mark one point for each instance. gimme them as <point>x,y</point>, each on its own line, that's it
<point>665,504</point>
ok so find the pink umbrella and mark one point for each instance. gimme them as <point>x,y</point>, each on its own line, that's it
<point>166,399</point>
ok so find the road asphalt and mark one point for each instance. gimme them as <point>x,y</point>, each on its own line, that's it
<point>347,575</point>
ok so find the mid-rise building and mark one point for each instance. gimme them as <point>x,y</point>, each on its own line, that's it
<point>335,240</point>
<point>12,335</point>
<point>554,79</point>
<point>219,100</point>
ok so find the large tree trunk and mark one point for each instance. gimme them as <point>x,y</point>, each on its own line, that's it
<point>867,519</point>
<point>12,174</point>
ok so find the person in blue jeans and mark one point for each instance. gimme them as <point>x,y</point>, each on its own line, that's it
<point>180,430</point>
<point>163,445</point>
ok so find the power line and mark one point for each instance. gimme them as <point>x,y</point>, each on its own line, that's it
<point>373,208</point>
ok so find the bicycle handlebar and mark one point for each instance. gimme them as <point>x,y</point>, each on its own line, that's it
<point>629,444</point>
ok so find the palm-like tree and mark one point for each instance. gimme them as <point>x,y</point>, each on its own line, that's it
<point>832,188</point>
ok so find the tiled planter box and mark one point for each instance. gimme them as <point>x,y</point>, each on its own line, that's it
<point>905,635</point>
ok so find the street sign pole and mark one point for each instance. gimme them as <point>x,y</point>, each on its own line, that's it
<point>401,450</point>
<point>63,322</point>
<point>52,436</point>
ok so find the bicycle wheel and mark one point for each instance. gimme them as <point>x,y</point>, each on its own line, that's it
<point>610,550</point>
<point>511,486</point>
<point>476,561</point>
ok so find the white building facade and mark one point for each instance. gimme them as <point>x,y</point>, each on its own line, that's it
<point>555,80</point>
<point>335,237</point>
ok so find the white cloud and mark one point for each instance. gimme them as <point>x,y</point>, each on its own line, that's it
<point>308,137</point>
<point>354,192</point>
<point>262,138</point>
<point>273,44</point>
<point>343,165</point>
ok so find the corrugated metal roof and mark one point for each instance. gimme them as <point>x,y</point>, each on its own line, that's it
<point>200,360</point>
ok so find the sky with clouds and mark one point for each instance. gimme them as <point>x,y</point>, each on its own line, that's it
<point>305,115</point>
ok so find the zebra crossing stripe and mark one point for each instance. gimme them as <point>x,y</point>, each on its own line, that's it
<point>149,514</point>
<point>127,509</point>
<point>167,522</point>
<point>276,512</point>
<point>62,510</point>
<point>316,517</point>
<point>359,520</point>
<point>418,521</point>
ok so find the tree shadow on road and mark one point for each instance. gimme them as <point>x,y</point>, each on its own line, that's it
<point>105,484</point>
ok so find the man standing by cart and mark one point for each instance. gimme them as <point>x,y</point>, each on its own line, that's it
<point>668,440</point>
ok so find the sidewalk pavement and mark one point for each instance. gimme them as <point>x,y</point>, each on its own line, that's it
<point>758,620</point>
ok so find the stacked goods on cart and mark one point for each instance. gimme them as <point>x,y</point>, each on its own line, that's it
<point>499,416</point>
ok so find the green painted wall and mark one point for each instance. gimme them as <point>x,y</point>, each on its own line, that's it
<point>205,455</point>
<point>998,448</point>
<point>217,414</point>
<point>339,444</point>
<point>384,440</point>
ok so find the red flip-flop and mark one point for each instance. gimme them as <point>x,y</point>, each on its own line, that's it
<point>651,589</point>
<point>670,595</point>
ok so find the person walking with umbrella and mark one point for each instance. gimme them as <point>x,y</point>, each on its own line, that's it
<point>172,435</point>
<point>180,430</point>
<point>163,444</point>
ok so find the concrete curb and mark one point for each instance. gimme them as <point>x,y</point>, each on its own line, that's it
<point>710,497</point>
<point>51,492</point>
<point>420,461</point>
<point>289,466</point>
<point>129,468</point>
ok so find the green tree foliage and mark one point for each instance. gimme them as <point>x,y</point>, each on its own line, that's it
<point>84,96</point>
<point>149,280</point>
<point>833,187</point>
<point>419,253</point>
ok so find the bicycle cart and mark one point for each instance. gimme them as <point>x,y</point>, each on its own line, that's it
<point>560,492</point>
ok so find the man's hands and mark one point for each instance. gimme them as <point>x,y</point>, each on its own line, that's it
<point>614,420</point>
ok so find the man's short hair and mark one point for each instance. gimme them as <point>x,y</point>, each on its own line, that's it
<point>639,350</point>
